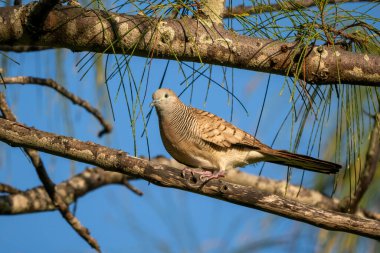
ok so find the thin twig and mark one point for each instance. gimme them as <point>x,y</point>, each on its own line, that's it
<point>340,32</point>
<point>9,189</point>
<point>292,5</point>
<point>368,172</point>
<point>321,7</point>
<point>49,184</point>
<point>131,187</point>
<point>107,128</point>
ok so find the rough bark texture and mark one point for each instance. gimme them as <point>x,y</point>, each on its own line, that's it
<point>187,39</point>
<point>37,200</point>
<point>213,9</point>
<point>49,185</point>
<point>368,172</point>
<point>16,134</point>
<point>281,188</point>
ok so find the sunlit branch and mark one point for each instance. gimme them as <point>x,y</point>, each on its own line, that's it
<point>16,134</point>
<point>49,185</point>
<point>213,9</point>
<point>189,39</point>
<point>37,200</point>
<point>8,189</point>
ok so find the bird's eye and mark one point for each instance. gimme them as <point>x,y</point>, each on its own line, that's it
<point>166,95</point>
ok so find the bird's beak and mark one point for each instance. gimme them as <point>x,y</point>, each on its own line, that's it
<point>154,102</point>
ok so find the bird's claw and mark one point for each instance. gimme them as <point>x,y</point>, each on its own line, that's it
<point>204,175</point>
<point>186,169</point>
<point>208,175</point>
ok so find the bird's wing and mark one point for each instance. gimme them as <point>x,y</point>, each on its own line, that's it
<point>222,133</point>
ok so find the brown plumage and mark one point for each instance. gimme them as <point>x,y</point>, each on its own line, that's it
<point>200,139</point>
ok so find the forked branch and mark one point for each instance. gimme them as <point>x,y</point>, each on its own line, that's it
<point>37,199</point>
<point>49,185</point>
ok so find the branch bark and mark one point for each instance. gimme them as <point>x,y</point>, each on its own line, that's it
<point>16,134</point>
<point>187,39</point>
<point>281,188</point>
<point>8,189</point>
<point>49,185</point>
<point>213,9</point>
<point>368,172</point>
<point>22,49</point>
<point>37,200</point>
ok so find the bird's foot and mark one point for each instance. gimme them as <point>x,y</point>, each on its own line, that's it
<point>208,175</point>
<point>188,170</point>
<point>204,175</point>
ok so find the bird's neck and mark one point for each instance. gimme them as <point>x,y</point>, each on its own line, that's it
<point>173,114</point>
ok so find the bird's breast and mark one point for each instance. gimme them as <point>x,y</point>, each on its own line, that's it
<point>186,148</point>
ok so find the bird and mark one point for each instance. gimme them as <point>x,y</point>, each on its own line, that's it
<point>200,139</point>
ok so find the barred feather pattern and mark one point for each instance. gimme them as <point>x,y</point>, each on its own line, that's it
<point>201,139</point>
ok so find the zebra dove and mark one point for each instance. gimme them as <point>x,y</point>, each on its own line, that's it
<point>200,139</point>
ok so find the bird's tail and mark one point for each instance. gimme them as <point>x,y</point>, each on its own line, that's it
<point>303,162</point>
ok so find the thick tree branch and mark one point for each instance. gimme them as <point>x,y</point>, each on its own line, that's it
<point>16,134</point>
<point>284,5</point>
<point>37,200</point>
<point>47,82</point>
<point>38,14</point>
<point>187,39</point>
<point>281,188</point>
<point>22,49</point>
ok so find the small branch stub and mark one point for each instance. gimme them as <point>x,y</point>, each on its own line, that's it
<point>213,10</point>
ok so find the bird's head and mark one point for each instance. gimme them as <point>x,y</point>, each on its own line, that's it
<point>163,99</point>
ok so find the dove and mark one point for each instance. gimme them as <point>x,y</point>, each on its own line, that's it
<point>200,139</point>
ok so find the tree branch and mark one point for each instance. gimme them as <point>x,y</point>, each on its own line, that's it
<point>49,185</point>
<point>16,134</point>
<point>368,172</point>
<point>8,189</point>
<point>22,49</point>
<point>187,39</point>
<point>213,9</point>
<point>38,14</point>
<point>292,5</point>
<point>47,82</point>
<point>281,188</point>
<point>37,200</point>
